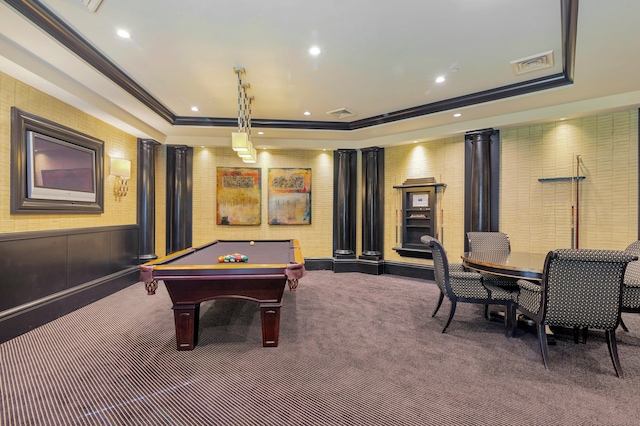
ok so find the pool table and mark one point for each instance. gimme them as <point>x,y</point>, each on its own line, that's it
<point>194,275</point>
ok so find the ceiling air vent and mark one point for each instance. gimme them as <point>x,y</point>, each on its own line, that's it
<point>533,63</point>
<point>92,5</point>
<point>341,113</point>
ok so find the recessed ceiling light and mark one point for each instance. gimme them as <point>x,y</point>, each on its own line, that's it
<point>563,118</point>
<point>314,50</point>
<point>307,113</point>
<point>440,79</point>
<point>261,133</point>
<point>457,114</point>
<point>194,109</point>
<point>415,141</point>
<point>124,34</point>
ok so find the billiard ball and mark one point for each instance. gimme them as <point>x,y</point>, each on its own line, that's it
<point>251,243</point>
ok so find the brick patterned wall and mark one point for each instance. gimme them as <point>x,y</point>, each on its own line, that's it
<point>117,144</point>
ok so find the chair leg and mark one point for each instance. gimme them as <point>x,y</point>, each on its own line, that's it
<point>486,311</point>
<point>624,327</point>
<point>510,320</point>
<point>542,338</point>
<point>585,333</point>
<point>576,334</point>
<point>438,305</point>
<point>613,351</point>
<point>453,311</point>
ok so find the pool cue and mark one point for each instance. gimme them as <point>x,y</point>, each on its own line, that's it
<point>577,200</point>
<point>573,226</point>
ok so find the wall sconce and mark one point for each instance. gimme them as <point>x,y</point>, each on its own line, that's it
<point>121,169</point>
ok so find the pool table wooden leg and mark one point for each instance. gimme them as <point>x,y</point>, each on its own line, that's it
<point>186,319</point>
<point>270,316</point>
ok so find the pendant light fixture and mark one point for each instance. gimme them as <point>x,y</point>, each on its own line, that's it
<point>241,140</point>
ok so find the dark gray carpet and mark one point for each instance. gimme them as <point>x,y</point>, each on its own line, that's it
<point>354,349</point>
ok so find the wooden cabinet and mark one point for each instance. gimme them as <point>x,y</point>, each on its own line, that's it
<point>418,214</point>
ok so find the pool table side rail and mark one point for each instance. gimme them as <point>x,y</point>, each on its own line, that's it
<point>163,266</point>
<point>161,271</point>
<point>157,263</point>
<point>170,257</point>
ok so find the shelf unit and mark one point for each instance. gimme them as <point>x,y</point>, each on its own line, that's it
<point>418,216</point>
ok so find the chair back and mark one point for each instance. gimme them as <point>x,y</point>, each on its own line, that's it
<point>582,288</point>
<point>634,248</point>
<point>440,265</point>
<point>632,274</point>
<point>488,241</point>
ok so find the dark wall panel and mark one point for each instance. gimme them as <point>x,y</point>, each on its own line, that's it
<point>31,268</point>
<point>47,274</point>
<point>124,249</point>
<point>88,257</point>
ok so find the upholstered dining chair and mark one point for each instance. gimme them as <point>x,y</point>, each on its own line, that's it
<point>483,241</point>
<point>631,284</point>
<point>492,241</point>
<point>579,288</point>
<point>460,286</point>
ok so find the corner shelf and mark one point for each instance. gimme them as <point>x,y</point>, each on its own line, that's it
<point>559,179</point>
<point>418,216</point>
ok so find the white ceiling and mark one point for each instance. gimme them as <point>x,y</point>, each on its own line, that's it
<point>377,58</point>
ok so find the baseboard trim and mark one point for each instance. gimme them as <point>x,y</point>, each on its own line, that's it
<point>21,319</point>
<point>370,267</point>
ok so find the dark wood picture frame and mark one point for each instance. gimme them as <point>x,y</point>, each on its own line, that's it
<point>23,122</point>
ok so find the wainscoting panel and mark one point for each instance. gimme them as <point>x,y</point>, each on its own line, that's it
<point>47,274</point>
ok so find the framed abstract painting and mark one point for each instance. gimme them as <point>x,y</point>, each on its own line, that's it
<point>289,196</point>
<point>239,197</point>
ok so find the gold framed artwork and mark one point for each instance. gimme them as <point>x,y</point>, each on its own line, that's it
<point>289,196</point>
<point>238,196</point>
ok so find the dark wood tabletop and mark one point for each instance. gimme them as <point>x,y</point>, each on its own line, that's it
<point>510,264</point>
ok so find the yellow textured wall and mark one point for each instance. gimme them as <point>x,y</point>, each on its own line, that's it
<point>161,200</point>
<point>537,216</point>
<point>442,159</point>
<point>315,239</point>
<point>117,144</point>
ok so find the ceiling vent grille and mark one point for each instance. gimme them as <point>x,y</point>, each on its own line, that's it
<point>92,5</point>
<point>341,113</point>
<point>533,63</point>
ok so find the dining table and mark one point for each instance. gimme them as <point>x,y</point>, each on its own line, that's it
<point>512,264</point>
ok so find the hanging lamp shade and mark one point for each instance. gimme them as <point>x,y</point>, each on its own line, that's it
<point>248,152</point>
<point>240,141</point>
<point>251,157</point>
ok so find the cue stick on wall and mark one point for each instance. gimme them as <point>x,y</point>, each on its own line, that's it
<point>577,200</point>
<point>573,220</point>
<point>398,217</point>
